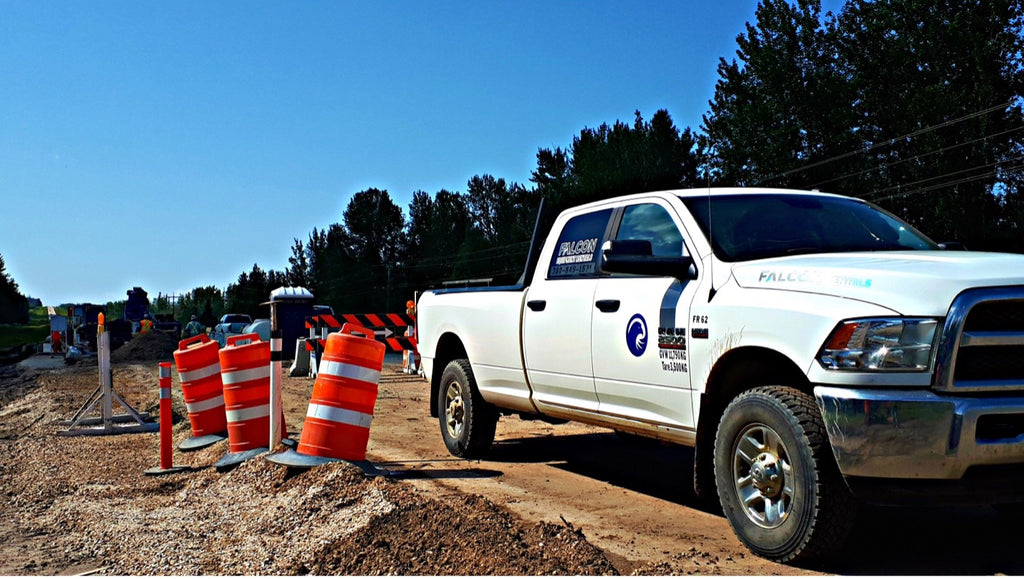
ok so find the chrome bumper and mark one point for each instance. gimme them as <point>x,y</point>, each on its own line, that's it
<point>914,434</point>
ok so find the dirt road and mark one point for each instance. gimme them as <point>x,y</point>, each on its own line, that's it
<point>582,501</point>
<point>634,500</point>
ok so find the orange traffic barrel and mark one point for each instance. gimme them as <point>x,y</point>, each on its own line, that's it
<point>245,371</point>
<point>199,370</point>
<point>344,394</point>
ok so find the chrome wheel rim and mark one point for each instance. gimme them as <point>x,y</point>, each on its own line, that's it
<point>763,476</point>
<point>454,410</point>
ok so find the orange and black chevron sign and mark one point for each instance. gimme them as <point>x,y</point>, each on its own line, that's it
<point>395,344</point>
<point>370,321</point>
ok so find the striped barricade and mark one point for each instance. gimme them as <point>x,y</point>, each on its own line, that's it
<point>337,425</point>
<point>198,366</point>
<point>245,371</point>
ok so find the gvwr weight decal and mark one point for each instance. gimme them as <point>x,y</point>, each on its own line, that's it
<point>672,349</point>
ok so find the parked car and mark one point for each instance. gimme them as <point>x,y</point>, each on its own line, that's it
<point>230,325</point>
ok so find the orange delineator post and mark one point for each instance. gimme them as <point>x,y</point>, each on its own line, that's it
<point>165,415</point>
<point>166,461</point>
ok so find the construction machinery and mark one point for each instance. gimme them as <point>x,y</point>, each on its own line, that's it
<point>137,308</point>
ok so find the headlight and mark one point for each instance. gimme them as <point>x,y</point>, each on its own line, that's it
<point>890,344</point>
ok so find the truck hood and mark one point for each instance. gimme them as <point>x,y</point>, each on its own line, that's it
<point>913,283</point>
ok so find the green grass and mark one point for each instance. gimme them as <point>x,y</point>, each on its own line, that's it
<point>16,335</point>
<point>37,329</point>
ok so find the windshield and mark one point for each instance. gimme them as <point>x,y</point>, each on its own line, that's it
<point>235,319</point>
<point>761,225</point>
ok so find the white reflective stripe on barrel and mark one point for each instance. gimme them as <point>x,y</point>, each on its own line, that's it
<point>343,370</point>
<point>339,415</point>
<point>208,404</point>
<point>194,375</point>
<point>239,376</point>
<point>248,413</point>
<point>165,372</point>
<point>165,393</point>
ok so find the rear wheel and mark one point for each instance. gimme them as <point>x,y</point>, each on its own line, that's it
<point>467,420</point>
<point>777,480</point>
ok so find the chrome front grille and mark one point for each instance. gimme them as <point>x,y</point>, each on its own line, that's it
<point>982,343</point>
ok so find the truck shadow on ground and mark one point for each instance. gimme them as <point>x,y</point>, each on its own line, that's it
<point>642,465</point>
<point>427,472</point>
<point>938,540</point>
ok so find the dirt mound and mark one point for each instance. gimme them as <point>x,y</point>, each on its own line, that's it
<point>147,347</point>
<point>457,535</point>
<point>93,509</point>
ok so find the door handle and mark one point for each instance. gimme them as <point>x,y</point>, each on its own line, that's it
<point>607,305</point>
<point>536,305</point>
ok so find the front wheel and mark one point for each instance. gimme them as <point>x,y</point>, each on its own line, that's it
<point>467,420</point>
<point>777,480</point>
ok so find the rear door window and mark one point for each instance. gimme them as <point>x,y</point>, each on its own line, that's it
<point>579,246</point>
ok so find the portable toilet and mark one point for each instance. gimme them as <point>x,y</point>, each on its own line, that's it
<point>294,304</point>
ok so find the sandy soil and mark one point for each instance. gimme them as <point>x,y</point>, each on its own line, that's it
<point>566,499</point>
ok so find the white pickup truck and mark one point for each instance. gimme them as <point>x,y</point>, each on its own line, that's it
<point>815,350</point>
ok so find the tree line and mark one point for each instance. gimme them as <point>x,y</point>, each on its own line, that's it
<point>13,305</point>
<point>912,104</point>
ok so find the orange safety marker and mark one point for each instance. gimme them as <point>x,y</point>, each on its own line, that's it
<point>245,371</point>
<point>199,371</point>
<point>340,411</point>
<point>166,461</point>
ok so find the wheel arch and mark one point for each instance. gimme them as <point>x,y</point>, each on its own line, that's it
<point>449,347</point>
<point>735,372</point>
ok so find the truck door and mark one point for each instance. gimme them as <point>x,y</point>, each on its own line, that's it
<point>641,366</point>
<point>558,314</point>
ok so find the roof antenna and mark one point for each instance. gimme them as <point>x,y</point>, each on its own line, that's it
<point>711,229</point>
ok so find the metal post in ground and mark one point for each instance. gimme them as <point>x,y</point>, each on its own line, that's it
<point>276,406</point>
<point>276,358</point>
<point>106,373</point>
<point>104,397</point>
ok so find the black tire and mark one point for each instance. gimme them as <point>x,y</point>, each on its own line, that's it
<point>806,511</point>
<point>467,420</point>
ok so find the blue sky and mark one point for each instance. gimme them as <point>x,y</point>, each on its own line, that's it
<point>171,145</point>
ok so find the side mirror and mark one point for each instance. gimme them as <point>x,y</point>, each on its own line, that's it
<point>635,256</point>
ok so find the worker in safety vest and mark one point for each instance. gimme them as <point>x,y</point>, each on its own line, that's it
<point>146,324</point>
<point>193,328</point>
<point>55,339</point>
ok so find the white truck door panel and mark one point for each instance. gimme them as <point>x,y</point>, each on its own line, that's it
<point>558,316</point>
<point>557,343</point>
<point>641,368</point>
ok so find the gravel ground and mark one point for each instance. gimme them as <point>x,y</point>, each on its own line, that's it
<point>82,504</point>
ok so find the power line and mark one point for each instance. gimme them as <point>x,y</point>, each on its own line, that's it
<point>874,194</point>
<point>940,150</point>
<point>889,142</point>
<point>965,180</point>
